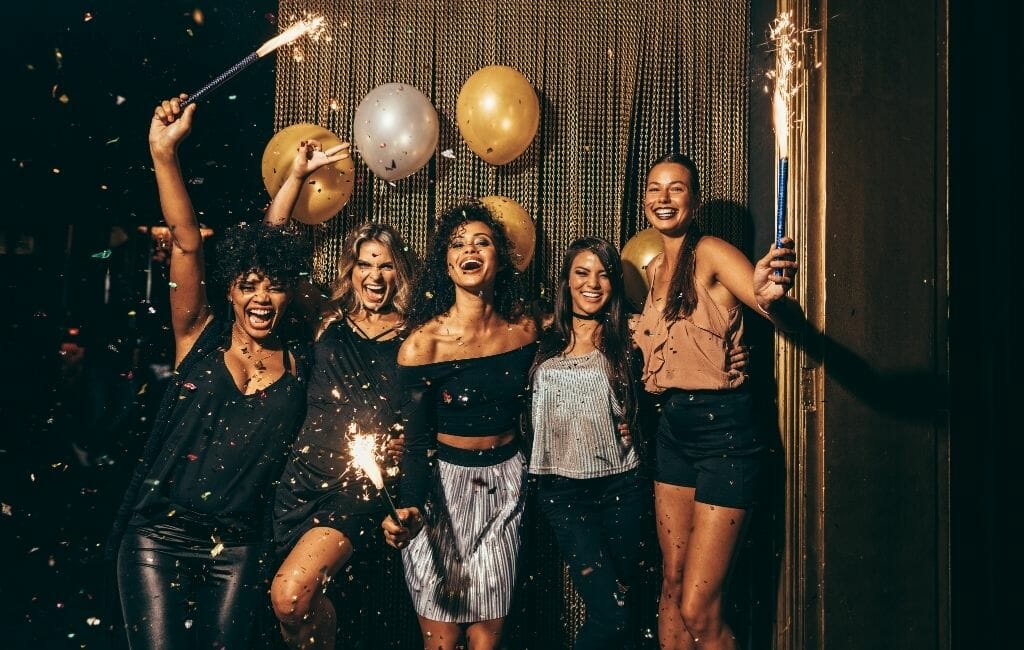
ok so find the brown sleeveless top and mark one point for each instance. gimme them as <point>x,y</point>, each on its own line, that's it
<point>689,353</point>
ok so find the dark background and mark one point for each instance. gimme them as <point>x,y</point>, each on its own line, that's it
<point>81,79</point>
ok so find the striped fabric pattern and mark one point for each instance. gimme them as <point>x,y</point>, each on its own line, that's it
<point>574,420</point>
<point>462,567</point>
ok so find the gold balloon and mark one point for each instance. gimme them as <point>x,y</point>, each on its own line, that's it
<point>518,225</point>
<point>498,113</point>
<point>636,255</point>
<point>326,191</point>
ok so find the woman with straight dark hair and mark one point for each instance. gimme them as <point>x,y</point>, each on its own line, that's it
<point>709,449</point>
<point>590,485</point>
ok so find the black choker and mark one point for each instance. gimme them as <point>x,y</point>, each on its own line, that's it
<point>597,316</point>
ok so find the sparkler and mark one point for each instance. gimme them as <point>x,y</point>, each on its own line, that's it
<point>308,26</point>
<point>362,448</point>
<point>784,35</point>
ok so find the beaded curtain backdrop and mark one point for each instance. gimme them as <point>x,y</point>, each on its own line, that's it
<point>620,83</point>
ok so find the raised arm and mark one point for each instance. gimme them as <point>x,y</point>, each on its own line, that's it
<point>758,286</point>
<point>310,157</point>
<point>190,310</point>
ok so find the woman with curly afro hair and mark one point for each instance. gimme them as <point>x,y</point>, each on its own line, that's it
<point>464,368</point>
<point>190,533</point>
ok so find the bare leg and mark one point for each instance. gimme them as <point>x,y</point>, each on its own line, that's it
<point>713,538</point>
<point>438,635</point>
<point>485,635</point>
<point>297,593</point>
<point>673,509</point>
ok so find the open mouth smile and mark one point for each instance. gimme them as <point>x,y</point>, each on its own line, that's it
<point>471,264</point>
<point>260,318</point>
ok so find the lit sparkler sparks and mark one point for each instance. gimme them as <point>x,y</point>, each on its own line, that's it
<point>363,450</point>
<point>312,27</point>
<point>787,46</point>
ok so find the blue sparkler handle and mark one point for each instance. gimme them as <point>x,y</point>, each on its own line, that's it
<point>780,204</point>
<point>219,80</point>
<point>780,201</point>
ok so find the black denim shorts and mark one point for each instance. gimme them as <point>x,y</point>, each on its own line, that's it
<point>707,440</point>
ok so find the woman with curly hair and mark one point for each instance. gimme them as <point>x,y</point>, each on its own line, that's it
<point>465,370</point>
<point>322,513</point>
<point>190,533</point>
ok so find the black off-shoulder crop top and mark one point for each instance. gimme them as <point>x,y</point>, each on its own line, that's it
<point>479,396</point>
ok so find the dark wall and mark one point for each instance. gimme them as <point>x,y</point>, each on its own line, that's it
<point>984,322</point>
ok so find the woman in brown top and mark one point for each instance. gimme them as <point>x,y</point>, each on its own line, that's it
<point>708,452</point>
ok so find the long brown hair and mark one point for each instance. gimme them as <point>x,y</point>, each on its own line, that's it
<point>612,338</point>
<point>682,290</point>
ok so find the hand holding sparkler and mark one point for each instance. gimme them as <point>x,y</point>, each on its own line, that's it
<point>784,36</point>
<point>293,33</point>
<point>362,448</point>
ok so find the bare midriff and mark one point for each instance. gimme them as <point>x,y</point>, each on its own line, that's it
<point>476,442</point>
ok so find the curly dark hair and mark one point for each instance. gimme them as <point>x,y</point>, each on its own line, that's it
<point>434,292</point>
<point>277,253</point>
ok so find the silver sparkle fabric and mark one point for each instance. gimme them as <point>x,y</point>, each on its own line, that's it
<point>462,567</point>
<point>574,420</point>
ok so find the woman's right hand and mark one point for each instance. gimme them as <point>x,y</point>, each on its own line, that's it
<point>399,535</point>
<point>170,125</point>
<point>311,156</point>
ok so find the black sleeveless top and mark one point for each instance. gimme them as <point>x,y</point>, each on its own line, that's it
<point>479,396</point>
<point>223,450</point>
<point>353,380</point>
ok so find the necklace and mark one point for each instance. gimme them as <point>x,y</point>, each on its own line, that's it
<point>597,316</point>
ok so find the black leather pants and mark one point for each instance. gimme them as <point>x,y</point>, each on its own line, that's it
<point>176,594</point>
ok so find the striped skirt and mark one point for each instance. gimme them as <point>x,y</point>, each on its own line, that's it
<point>462,567</point>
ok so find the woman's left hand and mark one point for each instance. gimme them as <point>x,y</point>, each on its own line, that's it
<point>774,273</point>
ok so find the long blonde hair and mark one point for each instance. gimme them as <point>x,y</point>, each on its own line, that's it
<point>343,298</point>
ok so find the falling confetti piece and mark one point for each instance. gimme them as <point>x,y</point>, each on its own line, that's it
<point>188,623</point>
<point>102,255</point>
<point>217,548</point>
<point>112,141</point>
<point>59,56</point>
<point>173,285</point>
<point>92,621</point>
<point>205,495</point>
<point>6,509</point>
<point>87,17</point>
<point>120,100</point>
<point>197,16</point>
<point>64,99</point>
<point>448,153</point>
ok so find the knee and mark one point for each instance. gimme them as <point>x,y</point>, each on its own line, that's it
<point>702,619</point>
<point>291,600</point>
<point>672,582</point>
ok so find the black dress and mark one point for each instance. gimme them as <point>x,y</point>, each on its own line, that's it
<point>352,382</point>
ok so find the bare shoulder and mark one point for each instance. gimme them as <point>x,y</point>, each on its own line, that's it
<point>717,254</point>
<point>419,348</point>
<point>523,331</point>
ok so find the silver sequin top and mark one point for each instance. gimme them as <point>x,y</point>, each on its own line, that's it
<point>575,416</point>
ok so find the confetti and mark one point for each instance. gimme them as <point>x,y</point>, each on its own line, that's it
<point>6,509</point>
<point>448,153</point>
<point>102,255</point>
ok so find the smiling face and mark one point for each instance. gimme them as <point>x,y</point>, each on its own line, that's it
<point>374,279</point>
<point>669,199</point>
<point>472,258</point>
<point>257,302</point>
<point>589,284</point>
